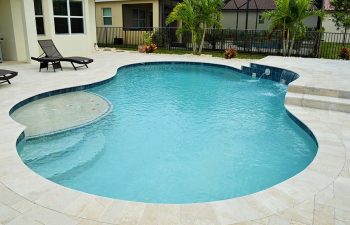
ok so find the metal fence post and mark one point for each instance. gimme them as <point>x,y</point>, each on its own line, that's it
<point>313,44</point>
<point>106,37</point>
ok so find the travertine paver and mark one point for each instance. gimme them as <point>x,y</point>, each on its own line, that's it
<point>318,195</point>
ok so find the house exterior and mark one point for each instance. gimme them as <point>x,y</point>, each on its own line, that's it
<point>327,23</point>
<point>247,14</point>
<point>128,16</point>
<point>133,13</point>
<point>237,14</point>
<point>69,23</point>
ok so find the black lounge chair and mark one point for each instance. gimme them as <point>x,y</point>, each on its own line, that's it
<point>6,75</point>
<point>54,57</point>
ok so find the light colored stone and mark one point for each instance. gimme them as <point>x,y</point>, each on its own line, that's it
<point>342,215</point>
<point>302,213</point>
<point>277,220</point>
<point>23,220</point>
<point>323,215</point>
<point>49,217</point>
<point>7,214</point>
<point>95,208</point>
<point>132,213</point>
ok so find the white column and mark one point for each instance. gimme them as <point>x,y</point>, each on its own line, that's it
<point>155,9</point>
<point>29,26</point>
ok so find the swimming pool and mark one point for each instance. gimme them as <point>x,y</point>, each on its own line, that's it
<point>178,133</point>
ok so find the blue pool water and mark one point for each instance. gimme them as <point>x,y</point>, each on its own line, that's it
<point>178,133</point>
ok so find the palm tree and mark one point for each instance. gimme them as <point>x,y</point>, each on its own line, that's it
<point>210,16</point>
<point>289,17</point>
<point>185,12</point>
<point>196,16</point>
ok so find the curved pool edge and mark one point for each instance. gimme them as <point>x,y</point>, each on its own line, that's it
<point>262,204</point>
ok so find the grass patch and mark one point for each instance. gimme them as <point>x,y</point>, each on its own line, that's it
<point>331,50</point>
<point>219,54</point>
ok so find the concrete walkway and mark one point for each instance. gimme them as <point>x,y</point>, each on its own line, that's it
<point>318,195</point>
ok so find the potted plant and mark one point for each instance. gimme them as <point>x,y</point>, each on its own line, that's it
<point>148,46</point>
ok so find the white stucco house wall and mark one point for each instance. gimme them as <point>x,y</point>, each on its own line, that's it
<point>69,23</point>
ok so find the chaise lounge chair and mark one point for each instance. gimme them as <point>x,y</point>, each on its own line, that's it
<point>6,75</point>
<point>54,57</point>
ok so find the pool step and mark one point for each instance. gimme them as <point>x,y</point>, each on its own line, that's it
<point>318,102</point>
<point>319,91</point>
<point>54,165</point>
<point>36,150</point>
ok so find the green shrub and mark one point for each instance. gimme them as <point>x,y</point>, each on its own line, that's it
<point>161,38</point>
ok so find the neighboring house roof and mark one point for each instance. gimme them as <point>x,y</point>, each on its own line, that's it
<point>327,5</point>
<point>253,5</point>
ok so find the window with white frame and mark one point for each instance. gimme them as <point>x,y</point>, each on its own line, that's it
<point>107,16</point>
<point>68,16</point>
<point>39,17</point>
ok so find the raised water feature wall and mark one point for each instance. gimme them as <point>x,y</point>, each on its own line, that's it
<point>276,74</point>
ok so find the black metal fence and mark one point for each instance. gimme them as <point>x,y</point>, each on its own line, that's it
<point>312,44</point>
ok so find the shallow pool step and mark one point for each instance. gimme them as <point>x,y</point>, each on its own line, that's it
<point>35,150</point>
<point>318,102</point>
<point>56,165</point>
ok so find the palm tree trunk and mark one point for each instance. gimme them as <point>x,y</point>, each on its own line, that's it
<point>284,38</point>
<point>286,43</point>
<point>194,45</point>
<point>203,37</point>
<point>291,45</point>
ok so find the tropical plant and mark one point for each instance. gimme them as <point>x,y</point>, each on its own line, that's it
<point>289,17</point>
<point>147,38</point>
<point>341,15</point>
<point>185,13</point>
<point>230,53</point>
<point>196,16</point>
<point>209,13</point>
<point>345,53</point>
<point>148,46</point>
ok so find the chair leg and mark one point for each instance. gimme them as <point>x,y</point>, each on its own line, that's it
<point>86,66</point>
<point>8,81</point>
<point>73,65</point>
<point>56,65</point>
<point>43,65</point>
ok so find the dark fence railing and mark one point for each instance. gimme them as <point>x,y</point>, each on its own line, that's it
<point>312,44</point>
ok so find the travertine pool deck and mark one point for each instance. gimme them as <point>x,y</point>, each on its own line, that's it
<point>318,195</point>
